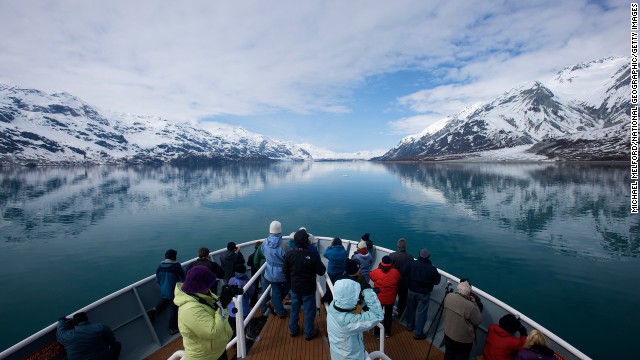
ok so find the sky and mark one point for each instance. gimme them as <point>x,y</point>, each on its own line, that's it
<point>342,75</point>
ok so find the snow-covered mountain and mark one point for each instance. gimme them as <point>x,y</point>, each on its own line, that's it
<point>48,129</point>
<point>580,114</point>
<point>321,154</point>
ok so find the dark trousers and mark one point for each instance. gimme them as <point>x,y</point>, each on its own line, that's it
<point>456,350</point>
<point>403,288</point>
<point>387,320</point>
<point>173,319</point>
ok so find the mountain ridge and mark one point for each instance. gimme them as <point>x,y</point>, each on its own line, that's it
<point>580,114</point>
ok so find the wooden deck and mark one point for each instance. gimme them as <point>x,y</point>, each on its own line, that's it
<point>275,343</point>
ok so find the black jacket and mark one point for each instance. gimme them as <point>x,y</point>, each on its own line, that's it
<point>422,275</point>
<point>229,260</point>
<point>300,268</point>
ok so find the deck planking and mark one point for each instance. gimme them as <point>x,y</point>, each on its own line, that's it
<point>275,343</point>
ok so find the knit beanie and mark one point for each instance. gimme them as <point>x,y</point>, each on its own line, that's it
<point>362,245</point>
<point>199,279</point>
<point>171,254</point>
<point>386,260</point>
<point>301,238</point>
<point>402,244</point>
<point>509,323</point>
<point>336,241</point>
<point>424,253</point>
<point>275,227</point>
<point>79,318</point>
<point>351,267</point>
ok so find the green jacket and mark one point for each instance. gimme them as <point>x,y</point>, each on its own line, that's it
<point>259,259</point>
<point>205,331</point>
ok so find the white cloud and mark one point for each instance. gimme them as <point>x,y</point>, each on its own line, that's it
<point>197,58</point>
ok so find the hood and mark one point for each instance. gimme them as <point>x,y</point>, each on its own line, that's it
<point>241,276</point>
<point>273,241</point>
<point>346,293</point>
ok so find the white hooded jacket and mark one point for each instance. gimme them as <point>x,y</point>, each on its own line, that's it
<point>344,327</point>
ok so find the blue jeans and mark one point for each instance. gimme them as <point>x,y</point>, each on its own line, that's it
<point>308,303</point>
<point>278,291</point>
<point>416,312</point>
<point>265,284</point>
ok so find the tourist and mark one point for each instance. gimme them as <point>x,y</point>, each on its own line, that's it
<point>461,317</point>
<point>301,266</point>
<point>501,342</point>
<point>254,270</point>
<point>203,260</point>
<point>345,325</point>
<point>400,258</point>
<point>203,316</point>
<point>239,279</point>
<point>366,237</point>
<point>312,241</point>
<point>85,340</point>
<point>273,251</point>
<point>365,260</point>
<point>535,348</point>
<point>352,272</point>
<point>386,278</point>
<point>337,256</point>
<point>229,259</point>
<point>168,273</point>
<point>422,277</point>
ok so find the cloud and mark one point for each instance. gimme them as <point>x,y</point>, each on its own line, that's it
<point>250,58</point>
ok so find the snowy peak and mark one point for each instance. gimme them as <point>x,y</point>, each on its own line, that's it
<point>41,128</point>
<point>578,115</point>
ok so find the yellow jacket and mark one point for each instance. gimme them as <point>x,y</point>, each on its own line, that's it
<point>205,331</point>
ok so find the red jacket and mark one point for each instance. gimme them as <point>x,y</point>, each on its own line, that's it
<point>501,345</point>
<point>387,282</point>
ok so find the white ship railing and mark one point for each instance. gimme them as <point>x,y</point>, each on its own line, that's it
<point>132,325</point>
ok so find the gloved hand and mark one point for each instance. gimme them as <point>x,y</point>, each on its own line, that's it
<point>226,296</point>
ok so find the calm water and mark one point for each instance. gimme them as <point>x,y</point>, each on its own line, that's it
<point>555,241</point>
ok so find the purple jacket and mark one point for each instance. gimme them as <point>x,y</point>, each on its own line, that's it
<point>536,352</point>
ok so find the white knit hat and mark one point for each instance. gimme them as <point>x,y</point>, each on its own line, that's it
<point>275,227</point>
<point>362,244</point>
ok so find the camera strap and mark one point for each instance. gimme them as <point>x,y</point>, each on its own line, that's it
<point>204,302</point>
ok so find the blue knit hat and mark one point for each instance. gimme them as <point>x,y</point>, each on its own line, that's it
<point>199,279</point>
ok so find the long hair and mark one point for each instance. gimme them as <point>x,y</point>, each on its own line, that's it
<point>535,337</point>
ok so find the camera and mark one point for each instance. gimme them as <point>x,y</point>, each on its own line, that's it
<point>232,290</point>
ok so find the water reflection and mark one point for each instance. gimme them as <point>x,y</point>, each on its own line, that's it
<point>538,200</point>
<point>45,203</point>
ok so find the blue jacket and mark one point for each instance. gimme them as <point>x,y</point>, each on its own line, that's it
<point>365,264</point>
<point>241,279</point>
<point>337,256</point>
<point>169,272</point>
<point>273,249</point>
<point>86,341</point>
<point>345,328</point>
<point>422,275</point>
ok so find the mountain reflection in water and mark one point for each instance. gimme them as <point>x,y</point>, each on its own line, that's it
<point>555,241</point>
